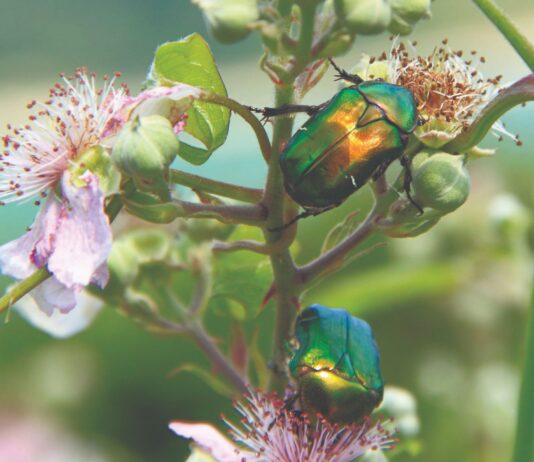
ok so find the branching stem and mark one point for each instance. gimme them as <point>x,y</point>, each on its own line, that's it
<point>218,188</point>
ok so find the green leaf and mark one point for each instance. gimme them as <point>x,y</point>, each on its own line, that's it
<point>190,61</point>
<point>241,277</point>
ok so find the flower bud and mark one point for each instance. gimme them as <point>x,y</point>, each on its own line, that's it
<point>338,45</point>
<point>411,11</point>
<point>399,26</point>
<point>144,149</point>
<point>405,13</point>
<point>364,16</point>
<point>440,182</point>
<point>229,20</point>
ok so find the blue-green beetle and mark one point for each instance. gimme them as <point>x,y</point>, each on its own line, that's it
<point>336,365</point>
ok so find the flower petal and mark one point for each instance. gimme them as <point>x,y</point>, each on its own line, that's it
<point>51,295</point>
<point>83,238</point>
<point>21,257</point>
<point>56,323</point>
<point>209,439</point>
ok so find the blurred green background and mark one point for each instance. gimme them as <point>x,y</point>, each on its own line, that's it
<point>448,308</point>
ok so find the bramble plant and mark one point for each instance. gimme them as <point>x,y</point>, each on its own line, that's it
<point>190,249</point>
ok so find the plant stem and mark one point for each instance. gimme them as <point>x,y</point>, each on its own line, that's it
<point>248,116</point>
<point>281,260</point>
<point>217,358</point>
<point>333,259</point>
<point>218,188</point>
<point>524,439</point>
<point>241,214</point>
<point>22,288</point>
<point>521,44</point>
<point>287,289</point>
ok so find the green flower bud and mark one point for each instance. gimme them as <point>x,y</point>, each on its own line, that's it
<point>144,149</point>
<point>364,16</point>
<point>405,13</point>
<point>440,182</point>
<point>229,20</point>
<point>338,45</point>
<point>399,26</point>
<point>411,11</point>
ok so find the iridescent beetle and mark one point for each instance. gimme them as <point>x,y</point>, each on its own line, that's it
<point>336,366</point>
<point>346,141</point>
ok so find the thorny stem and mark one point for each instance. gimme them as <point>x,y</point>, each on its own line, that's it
<point>524,439</point>
<point>42,274</point>
<point>218,188</point>
<point>217,358</point>
<point>281,260</point>
<point>285,283</point>
<point>333,259</point>
<point>249,214</point>
<point>521,44</point>
<point>241,214</point>
<point>193,326</point>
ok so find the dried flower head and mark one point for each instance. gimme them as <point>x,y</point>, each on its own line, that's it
<point>269,432</point>
<point>449,90</point>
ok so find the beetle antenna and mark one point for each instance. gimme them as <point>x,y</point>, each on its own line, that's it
<point>344,75</point>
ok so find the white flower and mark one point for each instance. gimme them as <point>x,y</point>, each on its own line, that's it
<point>269,432</point>
<point>71,235</point>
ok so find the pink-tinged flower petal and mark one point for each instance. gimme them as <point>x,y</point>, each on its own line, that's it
<point>101,276</point>
<point>209,439</point>
<point>21,257</point>
<point>51,295</point>
<point>158,100</point>
<point>83,238</point>
<point>58,324</point>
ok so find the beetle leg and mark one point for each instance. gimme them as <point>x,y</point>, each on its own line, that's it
<point>381,169</point>
<point>406,163</point>
<point>306,213</point>
<point>344,75</point>
<point>289,402</point>
<point>268,112</point>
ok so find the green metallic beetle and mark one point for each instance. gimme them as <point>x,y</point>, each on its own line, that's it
<point>346,141</point>
<point>336,365</point>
